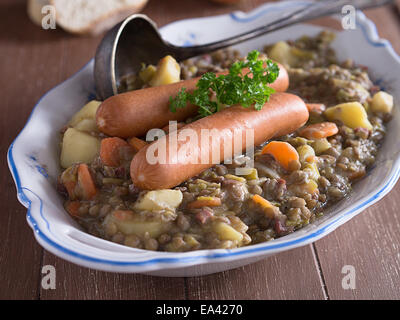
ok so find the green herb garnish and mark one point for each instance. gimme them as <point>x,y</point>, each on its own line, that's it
<point>235,87</point>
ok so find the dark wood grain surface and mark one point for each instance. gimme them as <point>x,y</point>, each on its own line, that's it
<point>34,60</point>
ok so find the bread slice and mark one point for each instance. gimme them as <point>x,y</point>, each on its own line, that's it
<point>93,16</point>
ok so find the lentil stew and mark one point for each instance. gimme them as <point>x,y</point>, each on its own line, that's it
<point>295,177</point>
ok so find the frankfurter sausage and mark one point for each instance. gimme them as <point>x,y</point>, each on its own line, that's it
<point>132,114</point>
<point>282,114</point>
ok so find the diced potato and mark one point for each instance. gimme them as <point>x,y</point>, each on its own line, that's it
<point>88,125</point>
<point>302,54</point>
<point>168,71</point>
<point>78,146</point>
<point>190,240</point>
<point>159,199</point>
<point>305,152</point>
<point>311,186</point>
<point>135,224</point>
<point>226,232</point>
<point>87,112</point>
<point>147,73</point>
<point>300,190</point>
<point>352,114</point>
<point>252,175</point>
<point>312,170</point>
<point>282,52</point>
<point>139,228</point>
<point>233,177</point>
<point>321,145</point>
<point>247,173</point>
<point>382,102</point>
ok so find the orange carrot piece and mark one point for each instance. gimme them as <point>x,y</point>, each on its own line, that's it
<point>137,143</point>
<point>315,107</point>
<point>123,215</point>
<point>201,202</point>
<point>282,151</point>
<point>269,209</point>
<point>70,186</point>
<point>72,208</point>
<point>319,130</point>
<point>110,151</point>
<point>261,201</point>
<point>86,182</point>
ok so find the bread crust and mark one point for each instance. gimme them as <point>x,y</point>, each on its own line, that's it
<point>102,23</point>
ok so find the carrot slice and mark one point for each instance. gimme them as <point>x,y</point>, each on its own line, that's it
<point>201,202</point>
<point>267,206</point>
<point>72,208</point>
<point>283,152</point>
<point>110,151</point>
<point>86,182</point>
<point>261,201</point>
<point>315,107</point>
<point>70,186</point>
<point>319,130</point>
<point>137,143</point>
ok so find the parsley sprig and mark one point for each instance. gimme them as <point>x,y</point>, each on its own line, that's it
<point>236,87</point>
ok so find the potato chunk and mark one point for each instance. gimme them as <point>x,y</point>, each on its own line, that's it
<point>87,112</point>
<point>159,199</point>
<point>78,146</point>
<point>87,125</point>
<point>226,232</point>
<point>282,53</point>
<point>130,223</point>
<point>382,102</point>
<point>168,71</point>
<point>312,170</point>
<point>147,73</point>
<point>321,145</point>
<point>352,114</point>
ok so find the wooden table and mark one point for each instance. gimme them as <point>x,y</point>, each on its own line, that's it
<point>35,60</point>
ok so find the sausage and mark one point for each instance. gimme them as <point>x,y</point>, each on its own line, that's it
<point>133,113</point>
<point>282,114</point>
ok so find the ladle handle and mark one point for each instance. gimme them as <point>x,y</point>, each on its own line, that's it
<point>313,10</point>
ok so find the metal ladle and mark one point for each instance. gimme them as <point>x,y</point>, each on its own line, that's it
<point>136,40</point>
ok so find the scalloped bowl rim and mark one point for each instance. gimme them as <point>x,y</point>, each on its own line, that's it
<point>181,260</point>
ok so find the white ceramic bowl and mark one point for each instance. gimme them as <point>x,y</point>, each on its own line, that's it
<point>34,155</point>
